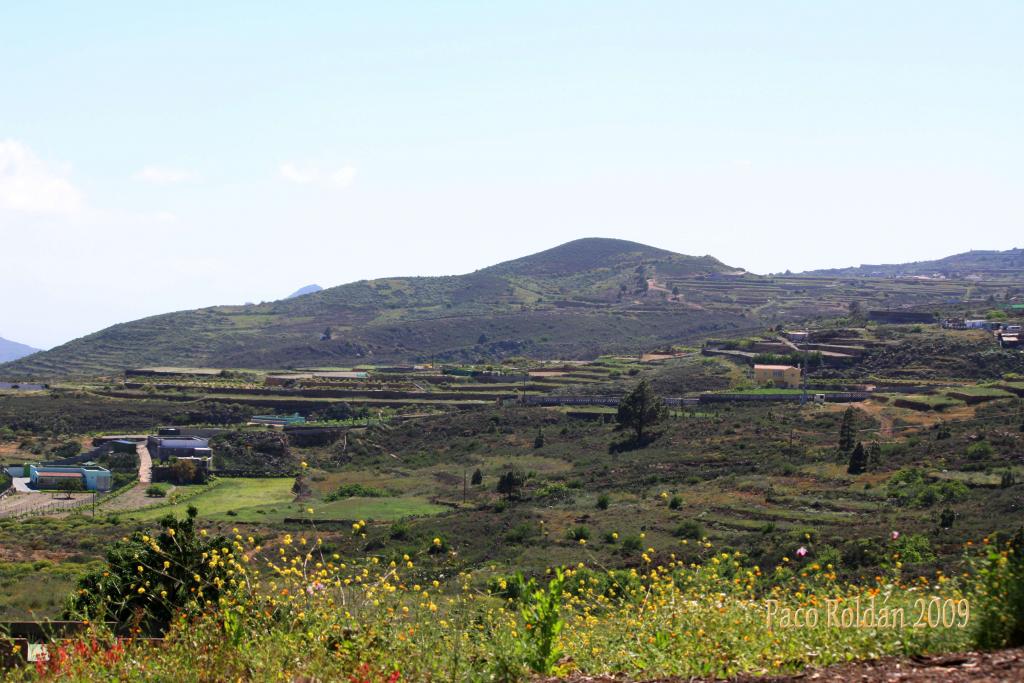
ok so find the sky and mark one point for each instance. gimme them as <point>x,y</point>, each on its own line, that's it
<point>166,156</point>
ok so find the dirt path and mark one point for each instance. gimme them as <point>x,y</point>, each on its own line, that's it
<point>145,464</point>
<point>967,667</point>
<point>133,499</point>
<point>878,412</point>
<point>20,504</point>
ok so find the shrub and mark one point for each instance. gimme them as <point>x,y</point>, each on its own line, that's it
<point>578,533</point>
<point>175,575</point>
<point>632,544</point>
<point>980,450</point>
<point>688,529</point>
<point>399,531</point>
<point>356,491</point>
<point>999,596</point>
<point>675,503</point>
<point>156,491</point>
<point>522,533</point>
<point>603,501</point>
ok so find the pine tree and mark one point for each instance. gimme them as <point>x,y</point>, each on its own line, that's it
<point>641,408</point>
<point>874,456</point>
<point>510,484</point>
<point>846,432</point>
<point>858,460</point>
<point>478,478</point>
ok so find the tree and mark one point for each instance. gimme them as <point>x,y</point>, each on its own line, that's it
<point>858,460</point>
<point>846,432</point>
<point>511,483</point>
<point>69,486</point>
<point>874,456</point>
<point>641,408</point>
<point>478,478</point>
<point>184,471</point>
<point>538,441</point>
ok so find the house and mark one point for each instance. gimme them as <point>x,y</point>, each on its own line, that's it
<point>88,477</point>
<point>777,375</point>
<point>163,448</point>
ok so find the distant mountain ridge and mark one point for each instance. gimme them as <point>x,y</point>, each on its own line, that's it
<point>967,264</point>
<point>11,350</point>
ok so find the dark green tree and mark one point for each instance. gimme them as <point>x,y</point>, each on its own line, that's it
<point>846,434</point>
<point>947,518</point>
<point>70,486</point>
<point>641,408</point>
<point>478,478</point>
<point>874,456</point>
<point>538,441</point>
<point>858,460</point>
<point>511,483</point>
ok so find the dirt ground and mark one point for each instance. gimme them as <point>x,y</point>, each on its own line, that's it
<point>975,667</point>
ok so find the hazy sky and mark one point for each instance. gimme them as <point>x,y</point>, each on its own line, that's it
<point>156,159</point>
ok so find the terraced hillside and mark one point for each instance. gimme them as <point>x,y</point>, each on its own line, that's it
<point>578,300</point>
<point>574,300</point>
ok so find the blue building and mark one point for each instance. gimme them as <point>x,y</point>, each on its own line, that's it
<point>90,477</point>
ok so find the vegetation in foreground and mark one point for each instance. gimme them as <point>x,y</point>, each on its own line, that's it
<point>233,609</point>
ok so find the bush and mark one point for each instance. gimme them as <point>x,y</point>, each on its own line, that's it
<point>981,450</point>
<point>603,501</point>
<point>356,491</point>
<point>175,575</point>
<point>675,503</point>
<point>999,596</point>
<point>156,491</point>
<point>578,533</point>
<point>688,529</point>
<point>522,533</point>
<point>632,544</point>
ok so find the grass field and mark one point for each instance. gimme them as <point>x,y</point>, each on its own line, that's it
<point>271,500</point>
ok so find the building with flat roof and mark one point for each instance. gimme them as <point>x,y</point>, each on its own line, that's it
<point>87,477</point>
<point>163,448</point>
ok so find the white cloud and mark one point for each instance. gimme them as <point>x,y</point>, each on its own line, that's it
<point>312,175</point>
<point>343,177</point>
<point>30,185</point>
<point>164,175</point>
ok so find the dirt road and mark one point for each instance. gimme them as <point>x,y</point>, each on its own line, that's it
<point>145,464</point>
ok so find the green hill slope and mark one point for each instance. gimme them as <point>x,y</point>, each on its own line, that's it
<point>582,298</point>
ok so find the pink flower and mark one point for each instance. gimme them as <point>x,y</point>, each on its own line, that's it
<point>801,551</point>
<point>895,535</point>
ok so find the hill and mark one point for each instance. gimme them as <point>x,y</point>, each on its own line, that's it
<point>10,350</point>
<point>577,300</point>
<point>980,263</point>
